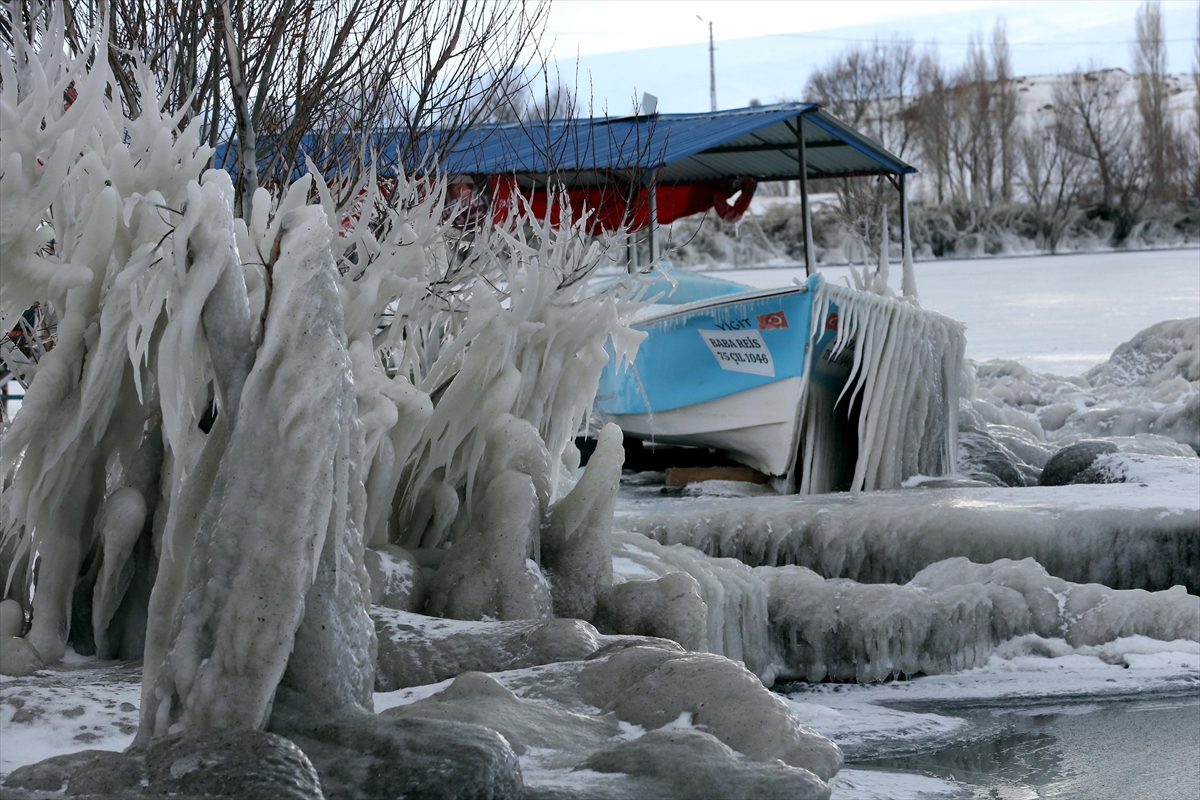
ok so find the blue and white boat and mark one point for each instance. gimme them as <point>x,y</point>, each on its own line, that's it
<point>782,381</point>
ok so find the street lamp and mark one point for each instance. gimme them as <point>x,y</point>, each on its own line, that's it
<point>712,65</point>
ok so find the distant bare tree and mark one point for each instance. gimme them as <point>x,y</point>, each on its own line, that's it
<point>1150,67</point>
<point>934,112</point>
<point>1005,106</point>
<point>1050,171</point>
<point>293,77</point>
<point>872,87</point>
<point>1104,133</point>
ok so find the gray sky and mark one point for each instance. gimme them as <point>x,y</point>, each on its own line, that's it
<point>765,50</point>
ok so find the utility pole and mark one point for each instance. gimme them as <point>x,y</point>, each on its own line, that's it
<point>712,65</point>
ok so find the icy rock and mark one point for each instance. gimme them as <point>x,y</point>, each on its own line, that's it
<point>108,774</point>
<point>396,578</point>
<point>1150,385</point>
<point>1071,464</point>
<point>1082,614</point>
<point>1145,444</point>
<point>18,657</point>
<point>489,571</point>
<point>694,764</point>
<point>728,701</point>
<point>236,763</point>
<point>365,757</point>
<point>669,607</point>
<point>576,544</point>
<point>848,631</point>
<point>951,616</point>
<point>887,537</point>
<point>480,699</point>
<point>1022,444</point>
<point>595,682</point>
<point>12,618</point>
<point>734,596</point>
<point>415,650</point>
<point>1165,350</point>
<point>982,458</point>
<point>51,774</point>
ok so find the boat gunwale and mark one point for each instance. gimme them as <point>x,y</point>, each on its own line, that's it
<point>718,301</point>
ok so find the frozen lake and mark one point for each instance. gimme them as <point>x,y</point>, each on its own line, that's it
<point>1057,314</point>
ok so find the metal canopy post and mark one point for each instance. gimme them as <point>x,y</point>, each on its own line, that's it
<point>810,265</point>
<point>908,281</point>
<point>654,251</point>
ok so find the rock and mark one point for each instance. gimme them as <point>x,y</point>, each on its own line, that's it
<point>669,607</point>
<point>50,775</point>
<point>478,698</point>
<point>397,580</point>
<point>693,764</point>
<point>983,458</point>
<point>108,774</point>
<point>416,650</point>
<point>242,763</point>
<point>18,657</point>
<point>729,702</point>
<point>12,618</point>
<point>365,757</point>
<point>1070,464</point>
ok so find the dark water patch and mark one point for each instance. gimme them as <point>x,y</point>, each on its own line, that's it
<point>1122,750</point>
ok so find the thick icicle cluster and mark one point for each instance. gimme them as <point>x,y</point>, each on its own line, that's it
<point>904,382</point>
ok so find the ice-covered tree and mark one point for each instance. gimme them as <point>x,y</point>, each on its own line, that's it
<point>234,405</point>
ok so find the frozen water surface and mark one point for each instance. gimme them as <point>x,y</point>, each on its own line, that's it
<point>1056,314</point>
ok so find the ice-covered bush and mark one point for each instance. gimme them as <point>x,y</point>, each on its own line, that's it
<point>234,406</point>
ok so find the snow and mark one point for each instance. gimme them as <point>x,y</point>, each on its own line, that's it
<point>69,709</point>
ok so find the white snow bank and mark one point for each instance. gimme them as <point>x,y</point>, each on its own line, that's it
<point>67,709</point>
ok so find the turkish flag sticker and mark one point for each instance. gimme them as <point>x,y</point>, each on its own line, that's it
<point>831,322</point>
<point>773,321</point>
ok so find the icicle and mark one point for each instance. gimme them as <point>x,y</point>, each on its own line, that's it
<point>904,377</point>
<point>879,284</point>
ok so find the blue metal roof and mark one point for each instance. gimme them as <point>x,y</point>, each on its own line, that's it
<point>761,142</point>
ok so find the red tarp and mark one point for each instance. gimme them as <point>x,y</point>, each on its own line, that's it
<point>607,208</point>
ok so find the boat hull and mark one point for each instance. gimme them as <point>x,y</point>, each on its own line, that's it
<point>756,426</point>
<point>727,372</point>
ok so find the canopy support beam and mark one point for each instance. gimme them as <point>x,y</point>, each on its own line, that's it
<point>654,245</point>
<point>908,281</point>
<point>810,261</point>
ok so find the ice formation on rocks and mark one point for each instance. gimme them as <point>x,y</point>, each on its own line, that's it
<point>1146,395</point>
<point>1140,534</point>
<point>950,616</point>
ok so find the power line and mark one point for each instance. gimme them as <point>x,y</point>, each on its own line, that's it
<point>964,44</point>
